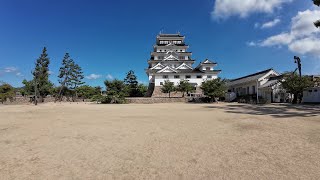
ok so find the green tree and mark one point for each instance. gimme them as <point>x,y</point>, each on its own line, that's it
<point>98,89</point>
<point>168,87</point>
<point>295,85</point>
<point>132,84</point>
<point>214,88</point>
<point>87,92</point>
<point>28,87</point>
<point>185,87</point>
<point>142,90</point>
<point>116,91</point>
<point>41,76</point>
<point>116,87</point>
<point>6,92</point>
<point>70,75</point>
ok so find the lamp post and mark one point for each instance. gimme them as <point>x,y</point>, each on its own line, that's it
<point>297,60</point>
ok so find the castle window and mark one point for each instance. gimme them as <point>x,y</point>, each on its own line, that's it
<point>176,76</point>
<point>207,68</point>
<point>165,76</point>
<point>209,76</point>
<point>161,83</point>
<point>188,76</point>
<point>199,76</point>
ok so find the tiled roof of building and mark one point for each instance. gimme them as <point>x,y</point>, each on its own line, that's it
<point>170,35</point>
<point>207,61</point>
<point>182,61</point>
<point>198,71</point>
<point>269,83</point>
<point>255,75</point>
<point>175,45</point>
<point>186,71</point>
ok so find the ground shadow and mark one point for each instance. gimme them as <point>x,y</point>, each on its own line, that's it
<point>274,110</point>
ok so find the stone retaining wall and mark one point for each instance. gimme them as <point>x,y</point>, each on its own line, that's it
<point>26,100</point>
<point>157,93</point>
<point>154,100</point>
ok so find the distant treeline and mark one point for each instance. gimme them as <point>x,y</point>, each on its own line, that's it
<point>71,84</point>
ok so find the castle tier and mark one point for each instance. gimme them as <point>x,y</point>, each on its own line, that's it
<point>170,60</point>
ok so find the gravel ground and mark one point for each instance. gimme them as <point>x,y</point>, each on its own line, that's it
<point>159,141</point>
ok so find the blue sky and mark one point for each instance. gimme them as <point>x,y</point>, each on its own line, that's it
<point>108,38</point>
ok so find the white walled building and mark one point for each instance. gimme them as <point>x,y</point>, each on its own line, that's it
<point>311,95</point>
<point>264,84</point>
<point>170,60</point>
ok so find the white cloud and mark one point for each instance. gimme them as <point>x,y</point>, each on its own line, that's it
<point>271,24</point>
<point>226,8</point>
<point>93,76</point>
<point>19,74</point>
<point>302,38</point>
<point>10,69</point>
<point>309,45</point>
<point>251,43</point>
<point>280,39</point>
<point>110,77</point>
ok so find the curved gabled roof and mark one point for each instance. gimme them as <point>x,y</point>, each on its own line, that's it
<point>254,75</point>
<point>207,61</point>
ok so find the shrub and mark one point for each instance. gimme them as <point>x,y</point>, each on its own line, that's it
<point>6,92</point>
<point>96,98</point>
<point>106,99</point>
<point>109,99</point>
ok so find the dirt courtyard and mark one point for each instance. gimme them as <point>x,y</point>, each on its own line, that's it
<point>159,141</point>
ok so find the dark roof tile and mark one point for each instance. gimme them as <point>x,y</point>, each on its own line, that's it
<point>255,74</point>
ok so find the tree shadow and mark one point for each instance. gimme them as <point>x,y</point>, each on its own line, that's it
<point>274,110</point>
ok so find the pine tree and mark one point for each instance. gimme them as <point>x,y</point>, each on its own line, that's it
<point>41,76</point>
<point>70,75</point>
<point>132,84</point>
<point>116,91</point>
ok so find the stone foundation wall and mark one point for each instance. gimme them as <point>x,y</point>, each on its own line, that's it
<point>26,100</point>
<point>17,100</point>
<point>154,100</point>
<point>157,93</point>
<point>198,90</point>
